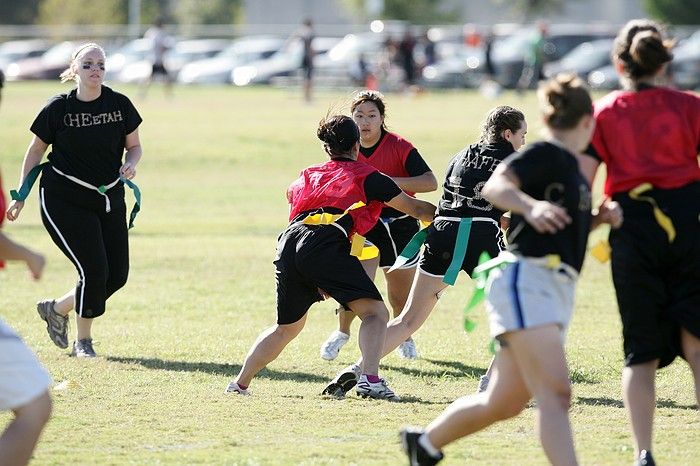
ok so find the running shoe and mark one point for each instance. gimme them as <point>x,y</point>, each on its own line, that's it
<point>417,455</point>
<point>407,349</point>
<point>343,381</point>
<point>645,459</point>
<point>233,387</point>
<point>331,347</point>
<point>379,390</point>
<point>83,349</point>
<point>56,324</point>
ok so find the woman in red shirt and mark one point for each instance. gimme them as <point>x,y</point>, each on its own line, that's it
<point>648,137</point>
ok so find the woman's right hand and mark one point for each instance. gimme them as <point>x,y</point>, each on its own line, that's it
<point>546,217</point>
<point>14,210</point>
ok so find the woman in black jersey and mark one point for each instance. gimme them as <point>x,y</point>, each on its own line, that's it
<point>398,158</point>
<point>314,258</point>
<point>463,209</point>
<point>530,300</point>
<point>93,133</point>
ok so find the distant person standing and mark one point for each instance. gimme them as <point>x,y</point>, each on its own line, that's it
<point>161,42</point>
<point>534,59</point>
<point>407,59</point>
<point>306,34</point>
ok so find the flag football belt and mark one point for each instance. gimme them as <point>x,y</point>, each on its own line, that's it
<point>662,219</point>
<point>25,189</point>
<point>458,253</point>
<point>357,242</point>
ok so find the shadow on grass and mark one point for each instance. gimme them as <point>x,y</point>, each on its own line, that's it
<point>445,368</point>
<point>229,370</point>
<point>602,401</point>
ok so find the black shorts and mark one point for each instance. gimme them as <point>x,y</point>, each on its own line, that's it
<point>390,236</point>
<point>316,256</point>
<point>657,283</point>
<point>440,245</point>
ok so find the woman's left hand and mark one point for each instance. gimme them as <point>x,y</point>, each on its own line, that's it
<point>127,171</point>
<point>610,212</point>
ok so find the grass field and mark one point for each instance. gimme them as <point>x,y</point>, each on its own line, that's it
<point>215,167</point>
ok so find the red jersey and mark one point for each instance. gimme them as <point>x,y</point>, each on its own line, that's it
<point>390,156</point>
<point>337,184</point>
<point>650,136</point>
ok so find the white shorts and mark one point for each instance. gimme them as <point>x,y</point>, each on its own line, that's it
<point>527,294</point>
<point>22,377</point>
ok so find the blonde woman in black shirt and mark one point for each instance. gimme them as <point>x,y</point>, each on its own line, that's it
<point>94,139</point>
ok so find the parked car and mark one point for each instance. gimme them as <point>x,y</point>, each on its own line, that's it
<point>217,70</point>
<point>508,54</point>
<point>175,59</point>
<point>458,65</point>
<point>16,50</point>
<point>582,59</point>
<point>342,62</point>
<point>131,52</point>
<point>604,78</point>
<point>47,66</point>
<point>284,62</point>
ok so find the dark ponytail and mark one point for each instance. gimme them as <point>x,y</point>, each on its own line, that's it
<point>564,100</point>
<point>642,49</point>
<point>338,134</point>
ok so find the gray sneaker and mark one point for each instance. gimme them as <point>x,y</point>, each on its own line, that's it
<point>83,349</point>
<point>56,324</point>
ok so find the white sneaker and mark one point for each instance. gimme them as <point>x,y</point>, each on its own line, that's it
<point>379,390</point>
<point>407,349</point>
<point>233,387</point>
<point>331,347</point>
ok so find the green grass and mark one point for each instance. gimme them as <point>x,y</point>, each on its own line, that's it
<point>215,168</point>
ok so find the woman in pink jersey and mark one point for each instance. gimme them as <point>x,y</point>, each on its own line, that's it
<point>648,137</point>
<point>314,258</point>
<point>399,159</point>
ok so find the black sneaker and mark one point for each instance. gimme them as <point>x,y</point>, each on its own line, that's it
<point>417,456</point>
<point>83,349</point>
<point>343,382</point>
<point>645,459</point>
<point>56,324</point>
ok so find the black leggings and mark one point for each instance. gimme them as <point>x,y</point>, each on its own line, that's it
<point>95,241</point>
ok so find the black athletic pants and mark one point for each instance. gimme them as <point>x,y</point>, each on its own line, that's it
<point>95,241</point>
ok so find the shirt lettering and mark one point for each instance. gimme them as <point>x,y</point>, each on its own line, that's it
<point>79,120</point>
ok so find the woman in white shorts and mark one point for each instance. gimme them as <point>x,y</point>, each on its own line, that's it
<point>530,300</point>
<point>24,383</point>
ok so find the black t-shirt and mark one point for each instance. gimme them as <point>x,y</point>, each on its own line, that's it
<point>466,174</point>
<point>549,172</point>
<point>87,138</point>
<point>414,165</point>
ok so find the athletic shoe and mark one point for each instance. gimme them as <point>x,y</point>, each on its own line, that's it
<point>83,349</point>
<point>331,347</point>
<point>417,455</point>
<point>407,349</point>
<point>379,390</point>
<point>483,384</point>
<point>56,324</point>
<point>645,459</point>
<point>343,382</point>
<point>233,387</point>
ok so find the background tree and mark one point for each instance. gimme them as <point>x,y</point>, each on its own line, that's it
<point>674,11</point>
<point>82,12</point>
<point>413,11</point>
<point>18,11</point>
<point>207,11</point>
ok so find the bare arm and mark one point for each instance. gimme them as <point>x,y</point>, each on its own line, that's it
<point>503,191</point>
<point>12,251</point>
<point>422,210</point>
<point>424,183</point>
<point>32,157</point>
<point>133,155</point>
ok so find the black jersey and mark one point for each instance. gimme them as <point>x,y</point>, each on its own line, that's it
<point>549,172</point>
<point>466,175</point>
<point>87,138</point>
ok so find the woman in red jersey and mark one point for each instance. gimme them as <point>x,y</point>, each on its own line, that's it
<point>397,158</point>
<point>648,137</point>
<point>314,258</point>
